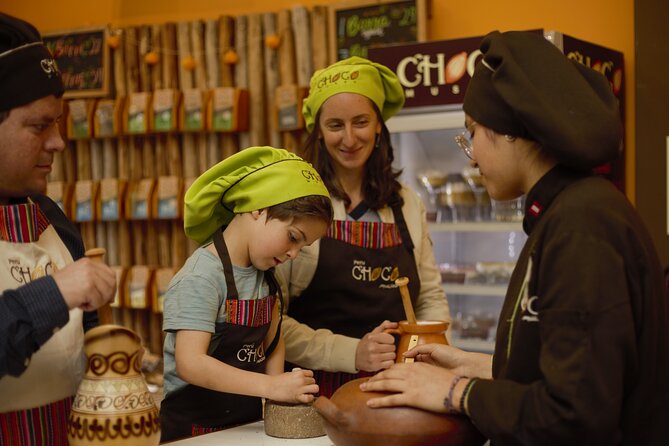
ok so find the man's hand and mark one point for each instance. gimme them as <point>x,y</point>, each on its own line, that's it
<point>86,284</point>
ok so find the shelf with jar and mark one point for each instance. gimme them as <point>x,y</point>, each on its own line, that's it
<point>476,267</point>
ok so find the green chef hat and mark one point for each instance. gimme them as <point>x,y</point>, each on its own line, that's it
<point>354,75</point>
<point>524,86</point>
<point>252,179</point>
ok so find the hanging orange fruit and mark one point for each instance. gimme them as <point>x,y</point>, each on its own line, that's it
<point>272,41</point>
<point>230,57</point>
<point>114,41</point>
<point>151,58</point>
<point>188,63</point>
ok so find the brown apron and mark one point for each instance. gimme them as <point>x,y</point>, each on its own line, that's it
<point>194,410</point>
<point>353,289</point>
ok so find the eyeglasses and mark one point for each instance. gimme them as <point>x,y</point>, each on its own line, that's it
<point>464,141</point>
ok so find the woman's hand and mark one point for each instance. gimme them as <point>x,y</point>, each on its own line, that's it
<point>298,386</point>
<point>420,385</point>
<point>459,362</point>
<point>376,350</point>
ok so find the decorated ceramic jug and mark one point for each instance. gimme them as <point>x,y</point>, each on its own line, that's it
<point>113,405</point>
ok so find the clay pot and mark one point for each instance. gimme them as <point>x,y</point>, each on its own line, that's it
<point>349,422</point>
<point>113,405</point>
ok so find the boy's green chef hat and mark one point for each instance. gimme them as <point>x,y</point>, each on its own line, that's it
<point>254,178</point>
<point>354,75</point>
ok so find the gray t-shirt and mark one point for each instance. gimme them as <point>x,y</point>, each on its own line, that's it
<point>195,300</point>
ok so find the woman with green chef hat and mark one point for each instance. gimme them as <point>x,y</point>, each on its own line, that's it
<point>340,293</point>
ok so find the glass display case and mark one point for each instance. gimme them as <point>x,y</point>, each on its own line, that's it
<point>476,240</point>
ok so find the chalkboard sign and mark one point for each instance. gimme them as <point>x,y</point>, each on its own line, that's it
<point>83,59</point>
<point>356,27</point>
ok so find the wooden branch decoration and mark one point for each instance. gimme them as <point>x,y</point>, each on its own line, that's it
<point>319,37</point>
<point>143,46</point>
<point>119,66</point>
<point>155,68</point>
<point>287,69</point>
<point>271,75</point>
<point>183,44</point>
<point>303,46</point>
<point>256,82</point>
<point>226,31</point>
<point>242,66</point>
<point>131,60</point>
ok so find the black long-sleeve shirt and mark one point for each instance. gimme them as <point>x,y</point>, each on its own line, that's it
<point>30,314</point>
<point>582,352</point>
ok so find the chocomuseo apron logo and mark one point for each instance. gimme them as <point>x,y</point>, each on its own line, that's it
<point>362,272</point>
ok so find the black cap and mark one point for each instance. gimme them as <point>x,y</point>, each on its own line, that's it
<point>27,70</point>
<point>524,86</point>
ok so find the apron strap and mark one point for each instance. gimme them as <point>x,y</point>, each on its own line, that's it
<point>224,255</point>
<point>396,203</point>
<point>274,288</point>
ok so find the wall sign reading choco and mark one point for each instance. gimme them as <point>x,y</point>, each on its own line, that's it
<point>82,56</point>
<point>437,73</point>
<point>432,73</point>
<point>356,26</point>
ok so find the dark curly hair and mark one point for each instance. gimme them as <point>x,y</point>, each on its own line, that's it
<point>380,183</point>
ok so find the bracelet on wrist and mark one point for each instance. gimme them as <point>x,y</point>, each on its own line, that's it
<point>465,394</point>
<point>448,401</point>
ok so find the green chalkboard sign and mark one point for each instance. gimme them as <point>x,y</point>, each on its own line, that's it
<point>356,27</point>
<point>82,56</point>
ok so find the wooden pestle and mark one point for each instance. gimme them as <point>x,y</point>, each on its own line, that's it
<point>104,312</point>
<point>402,282</point>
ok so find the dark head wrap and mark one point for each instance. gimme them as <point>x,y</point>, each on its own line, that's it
<point>524,86</point>
<point>27,70</point>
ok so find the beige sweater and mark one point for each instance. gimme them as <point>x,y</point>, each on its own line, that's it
<point>324,350</point>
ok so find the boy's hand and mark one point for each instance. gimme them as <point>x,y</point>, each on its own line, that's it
<point>297,386</point>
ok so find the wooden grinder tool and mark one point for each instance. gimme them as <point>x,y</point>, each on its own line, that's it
<point>104,312</point>
<point>402,282</point>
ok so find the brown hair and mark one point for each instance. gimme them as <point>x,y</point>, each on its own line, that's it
<point>316,206</point>
<point>380,181</point>
<point>3,115</point>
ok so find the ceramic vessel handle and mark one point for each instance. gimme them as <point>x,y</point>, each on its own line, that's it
<point>402,283</point>
<point>104,312</point>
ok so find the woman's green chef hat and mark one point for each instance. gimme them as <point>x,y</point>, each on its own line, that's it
<point>354,75</point>
<point>254,178</point>
<point>524,86</point>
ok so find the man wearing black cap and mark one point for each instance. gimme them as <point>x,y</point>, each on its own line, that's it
<point>44,283</point>
<point>582,348</point>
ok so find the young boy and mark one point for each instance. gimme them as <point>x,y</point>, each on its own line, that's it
<point>223,350</point>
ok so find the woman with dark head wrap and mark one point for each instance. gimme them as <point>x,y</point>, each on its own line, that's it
<point>582,350</point>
